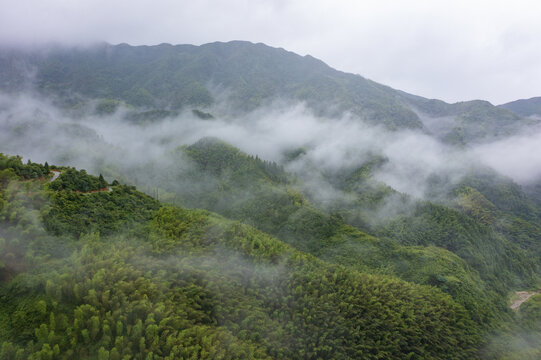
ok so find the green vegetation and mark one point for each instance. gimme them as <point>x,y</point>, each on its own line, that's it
<point>74,180</point>
<point>523,338</point>
<point>107,107</point>
<point>13,166</point>
<point>468,122</point>
<point>201,285</point>
<point>248,260</point>
<point>530,313</point>
<point>190,284</point>
<point>165,77</point>
<point>500,262</point>
<point>182,76</point>
<point>222,159</point>
<point>103,212</point>
<point>227,181</point>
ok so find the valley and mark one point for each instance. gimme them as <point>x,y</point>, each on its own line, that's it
<point>239,201</point>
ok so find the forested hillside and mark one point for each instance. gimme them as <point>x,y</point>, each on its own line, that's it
<point>114,274</point>
<point>233,78</point>
<point>177,283</point>
<point>234,200</point>
<point>488,260</point>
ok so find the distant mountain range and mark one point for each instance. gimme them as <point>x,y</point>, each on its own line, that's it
<point>525,107</point>
<point>259,230</point>
<point>237,77</point>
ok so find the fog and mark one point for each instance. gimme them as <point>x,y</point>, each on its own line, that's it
<point>143,153</point>
<point>414,163</point>
<point>517,157</point>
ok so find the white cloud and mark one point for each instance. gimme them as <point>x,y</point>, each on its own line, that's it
<point>517,157</point>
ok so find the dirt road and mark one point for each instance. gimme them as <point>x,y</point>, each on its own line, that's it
<point>522,297</point>
<point>56,174</point>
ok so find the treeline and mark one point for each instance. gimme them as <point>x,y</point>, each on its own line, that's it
<point>220,158</point>
<point>101,212</point>
<point>78,180</point>
<point>14,165</point>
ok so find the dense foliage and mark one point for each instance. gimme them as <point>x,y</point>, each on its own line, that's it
<point>104,212</point>
<point>323,262</point>
<point>14,165</point>
<point>487,262</point>
<point>189,284</point>
<point>165,77</point>
<point>74,180</point>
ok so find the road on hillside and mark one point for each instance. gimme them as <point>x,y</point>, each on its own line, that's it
<point>56,174</point>
<point>523,296</point>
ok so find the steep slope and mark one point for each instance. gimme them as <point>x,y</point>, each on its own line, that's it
<point>236,77</point>
<point>190,284</point>
<point>236,185</point>
<point>248,74</point>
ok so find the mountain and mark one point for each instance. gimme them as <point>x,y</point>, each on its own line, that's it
<point>240,76</point>
<point>467,122</point>
<point>126,277</point>
<point>87,270</point>
<point>525,107</point>
<point>242,201</point>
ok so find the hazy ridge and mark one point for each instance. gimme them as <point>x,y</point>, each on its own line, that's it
<point>324,179</point>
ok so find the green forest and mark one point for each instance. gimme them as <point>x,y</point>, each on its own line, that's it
<point>92,272</point>
<point>163,218</point>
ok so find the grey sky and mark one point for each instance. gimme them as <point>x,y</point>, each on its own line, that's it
<point>452,50</point>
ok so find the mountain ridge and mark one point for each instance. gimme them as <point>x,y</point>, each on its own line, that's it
<point>525,107</point>
<point>240,73</point>
<point>182,283</point>
<point>360,221</point>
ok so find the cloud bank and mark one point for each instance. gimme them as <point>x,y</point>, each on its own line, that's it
<point>112,144</point>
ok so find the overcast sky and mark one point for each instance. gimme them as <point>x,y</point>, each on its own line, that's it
<point>451,50</point>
